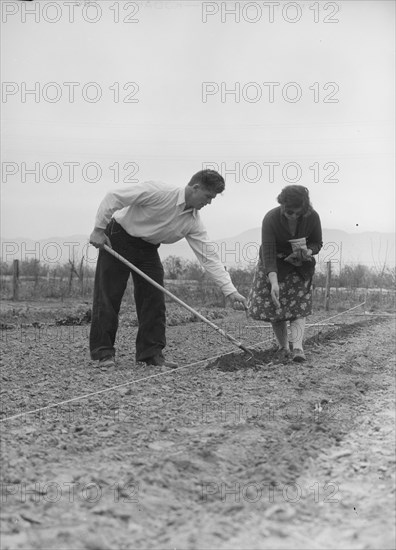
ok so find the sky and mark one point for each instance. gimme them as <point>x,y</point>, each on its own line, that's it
<point>268,93</point>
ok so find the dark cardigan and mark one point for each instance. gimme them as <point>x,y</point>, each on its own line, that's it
<point>275,235</point>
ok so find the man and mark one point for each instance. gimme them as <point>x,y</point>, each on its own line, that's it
<point>134,221</point>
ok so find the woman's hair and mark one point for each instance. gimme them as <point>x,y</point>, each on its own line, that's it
<point>295,196</point>
<point>210,179</point>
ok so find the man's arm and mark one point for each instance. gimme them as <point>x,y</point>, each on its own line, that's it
<point>206,253</point>
<point>113,201</point>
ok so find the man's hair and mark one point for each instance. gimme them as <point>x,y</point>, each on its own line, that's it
<point>210,179</point>
<point>295,196</point>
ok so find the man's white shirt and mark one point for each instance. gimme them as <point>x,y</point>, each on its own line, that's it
<point>156,213</point>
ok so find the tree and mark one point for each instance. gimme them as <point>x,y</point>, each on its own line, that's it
<point>173,267</point>
<point>5,268</point>
<point>241,277</point>
<point>193,271</point>
<point>33,268</point>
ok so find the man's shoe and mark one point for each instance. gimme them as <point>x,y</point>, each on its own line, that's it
<point>160,361</point>
<point>106,362</point>
<point>299,355</point>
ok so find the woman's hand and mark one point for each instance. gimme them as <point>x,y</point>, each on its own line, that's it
<point>306,255</point>
<point>273,278</point>
<point>275,294</point>
<point>299,256</point>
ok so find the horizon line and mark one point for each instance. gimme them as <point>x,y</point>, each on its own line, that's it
<point>218,239</point>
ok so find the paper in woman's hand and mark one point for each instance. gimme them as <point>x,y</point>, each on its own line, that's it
<point>298,244</point>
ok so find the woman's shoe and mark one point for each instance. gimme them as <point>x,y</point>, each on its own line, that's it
<point>282,354</point>
<point>299,355</point>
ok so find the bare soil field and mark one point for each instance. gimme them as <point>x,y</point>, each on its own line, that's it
<point>220,453</point>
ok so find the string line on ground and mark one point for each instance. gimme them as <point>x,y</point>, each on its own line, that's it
<point>171,371</point>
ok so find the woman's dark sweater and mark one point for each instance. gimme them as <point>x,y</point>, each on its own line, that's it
<point>275,235</point>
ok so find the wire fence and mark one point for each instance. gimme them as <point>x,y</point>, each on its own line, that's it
<point>198,293</point>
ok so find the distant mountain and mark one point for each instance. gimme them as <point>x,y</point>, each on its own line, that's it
<point>369,248</point>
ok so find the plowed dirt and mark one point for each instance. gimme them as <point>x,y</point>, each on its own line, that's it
<point>225,453</point>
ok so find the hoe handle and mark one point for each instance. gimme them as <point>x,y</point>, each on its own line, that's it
<point>175,298</point>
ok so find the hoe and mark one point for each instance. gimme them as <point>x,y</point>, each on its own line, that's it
<point>176,299</point>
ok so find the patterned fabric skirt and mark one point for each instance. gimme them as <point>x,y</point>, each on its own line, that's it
<point>295,296</point>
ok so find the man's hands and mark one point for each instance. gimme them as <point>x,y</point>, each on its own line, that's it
<point>237,298</point>
<point>98,238</point>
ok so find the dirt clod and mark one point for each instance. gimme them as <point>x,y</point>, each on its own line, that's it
<point>236,361</point>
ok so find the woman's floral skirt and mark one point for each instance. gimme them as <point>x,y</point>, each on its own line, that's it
<point>295,296</point>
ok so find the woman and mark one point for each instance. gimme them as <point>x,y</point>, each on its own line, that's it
<point>281,289</point>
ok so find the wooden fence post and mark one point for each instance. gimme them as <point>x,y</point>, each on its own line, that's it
<point>328,282</point>
<point>15,280</point>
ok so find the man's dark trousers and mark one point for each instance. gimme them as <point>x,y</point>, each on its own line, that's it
<point>111,279</point>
